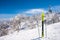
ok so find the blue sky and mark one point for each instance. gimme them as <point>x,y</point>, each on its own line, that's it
<point>12,7</point>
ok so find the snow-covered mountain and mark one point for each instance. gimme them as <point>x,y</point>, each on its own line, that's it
<point>24,22</point>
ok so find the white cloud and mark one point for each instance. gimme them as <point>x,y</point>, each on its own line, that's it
<point>30,11</point>
<point>35,11</point>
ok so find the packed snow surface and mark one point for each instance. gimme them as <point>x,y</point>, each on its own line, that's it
<point>53,33</point>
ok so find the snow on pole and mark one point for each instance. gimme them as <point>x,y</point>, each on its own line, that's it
<point>42,15</point>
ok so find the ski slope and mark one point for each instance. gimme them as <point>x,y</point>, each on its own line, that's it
<point>53,33</point>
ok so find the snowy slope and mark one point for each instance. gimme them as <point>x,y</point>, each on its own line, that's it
<point>53,33</point>
<point>22,35</point>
